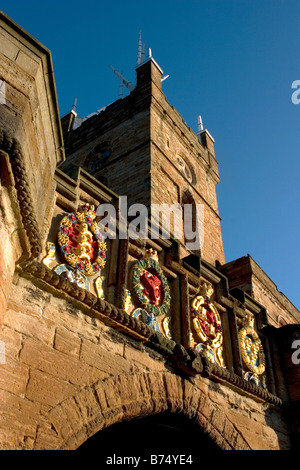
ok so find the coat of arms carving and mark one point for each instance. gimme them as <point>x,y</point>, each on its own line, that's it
<point>81,247</point>
<point>150,293</point>
<point>206,328</point>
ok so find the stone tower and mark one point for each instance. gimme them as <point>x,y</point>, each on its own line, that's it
<point>140,147</point>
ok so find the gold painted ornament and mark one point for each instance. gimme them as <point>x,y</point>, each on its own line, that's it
<point>251,348</point>
<point>81,247</point>
<point>50,257</point>
<point>99,286</point>
<point>128,305</point>
<point>80,241</point>
<point>166,327</point>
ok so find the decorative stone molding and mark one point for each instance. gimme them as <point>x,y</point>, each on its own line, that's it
<point>192,363</point>
<point>13,148</point>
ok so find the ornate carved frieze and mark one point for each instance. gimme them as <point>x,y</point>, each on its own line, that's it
<point>188,360</point>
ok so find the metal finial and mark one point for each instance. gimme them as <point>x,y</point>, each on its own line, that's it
<point>200,124</point>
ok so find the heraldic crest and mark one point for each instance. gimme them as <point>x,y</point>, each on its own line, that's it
<point>81,247</point>
<point>150,293</point>
<point>251,351</point>
<point>206,329</point>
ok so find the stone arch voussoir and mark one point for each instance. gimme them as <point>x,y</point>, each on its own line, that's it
<point>127,396</point>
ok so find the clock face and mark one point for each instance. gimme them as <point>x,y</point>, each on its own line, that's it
<point>184,169</point>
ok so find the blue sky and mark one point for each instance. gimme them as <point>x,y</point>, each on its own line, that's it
<point>233,62</point>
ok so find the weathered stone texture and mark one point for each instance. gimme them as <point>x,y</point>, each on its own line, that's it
<point>66,341</point>
<point>57,385</point>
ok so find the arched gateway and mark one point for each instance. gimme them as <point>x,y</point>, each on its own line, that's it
<point>162,438</point>
<point>161,398</point>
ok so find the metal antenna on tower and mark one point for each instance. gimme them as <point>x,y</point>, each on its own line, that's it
<point>124,80</point>
<point>141,50</point>
<point>121,88</point>
<point>140,59</point>
<point>143,53</point>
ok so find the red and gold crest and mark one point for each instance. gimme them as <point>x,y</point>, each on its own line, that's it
<point>150,287</point>
<point>206,334</point>
<point>150,300</point>
<point>80,241</point>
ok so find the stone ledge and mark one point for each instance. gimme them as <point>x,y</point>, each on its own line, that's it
<point>192,363</point>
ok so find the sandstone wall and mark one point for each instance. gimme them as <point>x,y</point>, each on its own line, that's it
<point>67,375</point>
<point>246,274</point>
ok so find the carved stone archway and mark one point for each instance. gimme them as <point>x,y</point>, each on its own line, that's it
<point>161,438</point>
<point>127,396</point>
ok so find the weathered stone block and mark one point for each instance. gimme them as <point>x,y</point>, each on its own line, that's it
<point>66,341</point>
<point>143,358</point>
<point>29,326</point>
<point>102,359</point>
<point>18,414</point>
<point>45,389</point>
<point>54,363</point>
<point>13,376</point>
